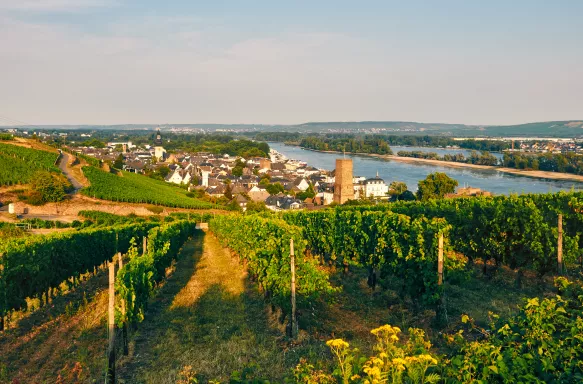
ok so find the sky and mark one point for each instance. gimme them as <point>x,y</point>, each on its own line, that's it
<point>275,62</point>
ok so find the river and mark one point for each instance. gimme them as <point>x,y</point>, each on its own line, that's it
<point>489,180</point>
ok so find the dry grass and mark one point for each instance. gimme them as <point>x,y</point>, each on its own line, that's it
<point>212,320</point>
<point>70,329</point>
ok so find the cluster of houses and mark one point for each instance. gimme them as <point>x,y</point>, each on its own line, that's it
<point>214,174</point>
<point>297,184</point>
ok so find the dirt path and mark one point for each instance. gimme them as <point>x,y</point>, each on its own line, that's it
<point>64,165</point>
<point>206,317</point>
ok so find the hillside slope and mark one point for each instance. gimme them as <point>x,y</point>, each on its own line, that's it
<point>133,188</point>
<point>19,164</point>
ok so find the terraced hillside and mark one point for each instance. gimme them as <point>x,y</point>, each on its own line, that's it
<point>18,164</point>
<point>133,188</point>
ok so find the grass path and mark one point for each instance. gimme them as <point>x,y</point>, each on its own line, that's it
<point>207,317</point>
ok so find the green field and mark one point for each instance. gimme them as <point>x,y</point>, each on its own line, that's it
<point>18,165</point>
<point>133,188</point>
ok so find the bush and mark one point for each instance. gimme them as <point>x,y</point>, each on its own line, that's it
<point>155,209</point>
<point>47,187</point>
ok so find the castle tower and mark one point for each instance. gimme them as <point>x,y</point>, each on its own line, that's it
<point>343,189</point>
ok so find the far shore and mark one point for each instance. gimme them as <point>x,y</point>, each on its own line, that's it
<point>453,164</point>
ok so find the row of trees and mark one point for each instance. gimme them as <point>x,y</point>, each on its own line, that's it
<point>552,162</point>
<point>362,144</point>
<point>400,140</point>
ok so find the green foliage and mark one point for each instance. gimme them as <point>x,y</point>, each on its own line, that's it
<point>135,188</point>
<point>238,168</point>
<point>569,162</point>
<point>92,143</point>
<point>391,243</point>
<point>104,219</point>
<point>159,173</point>
<point>90,160</point>
<point>49,187</point>
<point>256,207</point>
<point>542,343</point>
<point>118,163</point>
<point>275,188</point>
<point>6,137</point>
<point>264,244</point>
<point>518,231</point>
<point>353,144</point>
<point>136,281</point>
<point>19,165</point>
<point>307,194</point>
<point>217,144</point>
<point>30,266</point>
<point>436,185</point>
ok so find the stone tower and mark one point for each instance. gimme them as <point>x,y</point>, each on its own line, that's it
<point>343,189</point>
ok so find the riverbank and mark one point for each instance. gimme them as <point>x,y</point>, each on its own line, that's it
<point>453,164</point>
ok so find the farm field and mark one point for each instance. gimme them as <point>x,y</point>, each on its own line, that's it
<point>134,188</point>
<point>222,298</point>
<point>219,324</point>
<point>18,164</point>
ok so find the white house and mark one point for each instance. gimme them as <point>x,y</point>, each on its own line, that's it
<point>179,176</point>
<point>375,187</point>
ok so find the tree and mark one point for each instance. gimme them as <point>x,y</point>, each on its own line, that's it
<point>436,185</point>
<point>93,143</point>
<point>118,163</point>
<point>264,182</point>
<point>396,188</point>
<point>228,192</point>
<point>274,189</point>
<point>47,187</point>
<point>308,193</point>
<point>237,171</point>
<point>406,196</point>
<point>256,206</point>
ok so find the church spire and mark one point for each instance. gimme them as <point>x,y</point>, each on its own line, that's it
<point>377,173</point>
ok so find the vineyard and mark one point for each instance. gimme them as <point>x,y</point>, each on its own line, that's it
<point>18,165</point>
<point>133,188</point>
<point>520,232</point>
<point>352,268</point>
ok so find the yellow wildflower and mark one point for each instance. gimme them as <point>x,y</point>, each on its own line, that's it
<point>399,363</point>
<point>337,343</point>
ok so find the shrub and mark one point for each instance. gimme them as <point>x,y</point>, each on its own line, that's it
<point>155,209</point>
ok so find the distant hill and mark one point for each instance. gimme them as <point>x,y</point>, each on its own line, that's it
<point>567,129</point>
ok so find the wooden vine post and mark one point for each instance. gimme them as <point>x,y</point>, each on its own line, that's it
<point>441,312</point>
<point>124,330</point>
<point>560,246</point>
<point>440,261</point>
<point>294,323</point>
<point>145,245</point>
<point>2,298</point>
<point>110,377</point>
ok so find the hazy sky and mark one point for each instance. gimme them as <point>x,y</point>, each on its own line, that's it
<point>154,61</point>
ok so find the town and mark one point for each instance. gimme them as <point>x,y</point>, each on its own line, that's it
<point>278,182</point>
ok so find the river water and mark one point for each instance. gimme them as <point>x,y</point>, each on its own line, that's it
<point>489,180</point>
